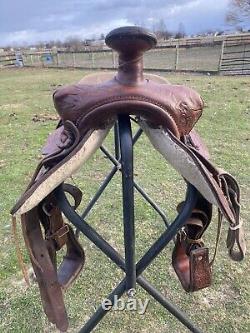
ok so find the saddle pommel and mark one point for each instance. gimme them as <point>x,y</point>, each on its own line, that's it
<point>130,43</point>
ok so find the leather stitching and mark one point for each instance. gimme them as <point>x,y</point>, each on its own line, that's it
<point>125,98</point>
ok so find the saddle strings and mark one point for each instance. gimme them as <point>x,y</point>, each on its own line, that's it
<point>219,226</point>
<point>130,62</point>
<point>18,252</point>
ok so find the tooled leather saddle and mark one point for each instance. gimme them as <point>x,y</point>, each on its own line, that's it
<point>167,114</point>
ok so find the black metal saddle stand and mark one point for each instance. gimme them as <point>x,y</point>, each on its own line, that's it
<point>123,161</point>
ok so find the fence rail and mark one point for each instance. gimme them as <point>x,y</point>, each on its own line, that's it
<point>172,58</point>
<point>230,56</point>
<point>235,58</point>
<point>8,59</point>
<point>241,37</point>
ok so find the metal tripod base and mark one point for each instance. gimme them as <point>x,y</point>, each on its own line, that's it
<point>133,271</point>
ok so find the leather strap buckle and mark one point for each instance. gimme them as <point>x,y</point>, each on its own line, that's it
<point>59,236</point>
<point>47,208</point>
<point>182,235</point>
<point>236,226</point>
<point>62,231</point>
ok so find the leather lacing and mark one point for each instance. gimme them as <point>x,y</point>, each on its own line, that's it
<point>19,252</point>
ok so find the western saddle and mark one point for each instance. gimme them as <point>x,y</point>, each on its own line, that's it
<point>167,114</point>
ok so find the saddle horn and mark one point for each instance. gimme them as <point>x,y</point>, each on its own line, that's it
<point>130,43</point>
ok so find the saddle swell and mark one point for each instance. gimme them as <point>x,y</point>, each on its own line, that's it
<point>174,107</point>
<point>167,114</point>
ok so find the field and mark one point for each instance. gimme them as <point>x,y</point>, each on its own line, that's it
<point>204,58</point>
<point>27,116</point>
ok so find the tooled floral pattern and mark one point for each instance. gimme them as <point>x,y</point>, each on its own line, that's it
<point>187,119</point>
<point>122,98</point>
<point>185,124</point>
<point>70,137</point>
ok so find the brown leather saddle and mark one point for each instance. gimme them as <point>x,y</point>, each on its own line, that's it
<point>167,114</point>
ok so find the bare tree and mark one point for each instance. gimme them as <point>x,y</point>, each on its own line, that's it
<point>181,31</point>
<point>102,36</point>
<point>73,43</point>
<point>161,31</point>
<point>239,12</point>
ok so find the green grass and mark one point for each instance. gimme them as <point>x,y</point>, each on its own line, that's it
<point>204,58</point>
<point>25,95</point>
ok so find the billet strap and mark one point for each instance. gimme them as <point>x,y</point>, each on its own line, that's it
<point>46,275</point>
<point>219,225</point>
<point>58,234</point>
<point>73,261</point>
<point>236,243</point>
<point>42,250</point>
<point>228,205</point>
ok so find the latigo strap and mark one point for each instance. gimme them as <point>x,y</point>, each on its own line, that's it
<point>42,250</point>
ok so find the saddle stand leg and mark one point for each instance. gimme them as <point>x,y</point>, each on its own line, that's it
<point>133,272</point>
<point>126,148</point>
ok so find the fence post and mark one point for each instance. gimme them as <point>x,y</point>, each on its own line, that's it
<point>176,57</point>
<point>221,54</point>
<point>92,59</point>
<point>57,58</point>
<point>113,58</point>
<point>74,59</point>
<point>41,60</point>
<point>244,58</point>
<point>31,59</point>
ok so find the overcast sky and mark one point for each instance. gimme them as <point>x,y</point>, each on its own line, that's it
<point>28,21</point>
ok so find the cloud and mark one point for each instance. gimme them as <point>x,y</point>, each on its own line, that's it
<point>25,37</point>
<point>30,21</point>
<point>199,16</point>
<point>63,18</point>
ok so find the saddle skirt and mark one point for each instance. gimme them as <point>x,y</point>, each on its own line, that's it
<point>167,114</point>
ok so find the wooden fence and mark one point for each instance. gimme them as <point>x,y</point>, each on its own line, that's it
<point>228,56</point>
<point>8,59</point>
<point>206,39</point>
<point>200,59</point>
<point>11,60</point>
<point>235,56</point>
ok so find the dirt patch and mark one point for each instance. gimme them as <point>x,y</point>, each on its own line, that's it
<point>10,106</point>
<point>18,281</point>
<point>2,164</point>
<point>225,294</point>
<point>44,117</point>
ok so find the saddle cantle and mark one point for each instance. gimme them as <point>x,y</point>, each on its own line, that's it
<point>167,114</point>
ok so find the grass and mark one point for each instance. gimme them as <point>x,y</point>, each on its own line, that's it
<point>27,116</point>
